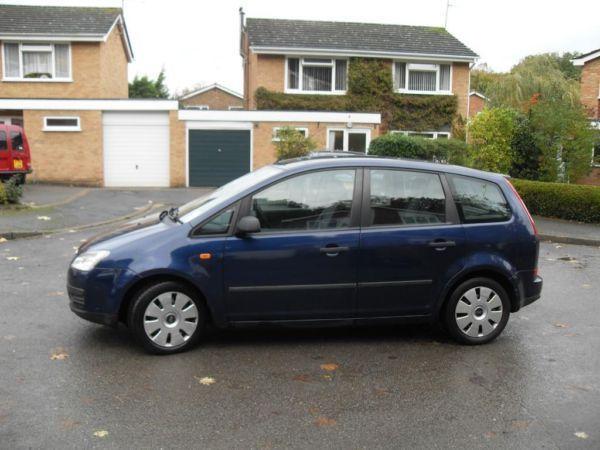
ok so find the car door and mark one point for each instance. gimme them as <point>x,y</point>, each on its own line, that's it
<point>302,265</point>
<point>411,242</point>
<point>5,159</point>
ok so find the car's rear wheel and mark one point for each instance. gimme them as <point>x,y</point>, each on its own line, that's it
<point>167,317</point>
<point>477,311</point>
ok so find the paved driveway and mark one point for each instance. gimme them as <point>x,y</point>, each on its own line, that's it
<point>65,383</point>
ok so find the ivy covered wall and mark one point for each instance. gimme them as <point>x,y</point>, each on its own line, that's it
<point>370,89</point>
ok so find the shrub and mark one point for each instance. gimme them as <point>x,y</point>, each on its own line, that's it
<point>292,143</point>
<point>397,145</point>
<point>564,201</point>
<point>3,196</point>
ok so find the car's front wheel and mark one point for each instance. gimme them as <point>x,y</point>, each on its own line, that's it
<point>477,311</point>
<point>166,317</point>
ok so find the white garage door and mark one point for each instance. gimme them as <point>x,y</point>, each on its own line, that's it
<point>136,149</point>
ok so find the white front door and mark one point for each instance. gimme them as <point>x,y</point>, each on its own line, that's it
<point>348,139</point>
<point>136,149</point>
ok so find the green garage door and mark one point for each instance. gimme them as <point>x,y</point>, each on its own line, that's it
<point>218,156</point>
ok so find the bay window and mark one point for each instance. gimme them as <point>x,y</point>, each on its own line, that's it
<point>43,62</point>
<point>422,78</point>
<point>316,75</point>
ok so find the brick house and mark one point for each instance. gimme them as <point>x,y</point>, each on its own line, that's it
<point>590,98</point>
<point>212,97</point>
<point>477,102</point>
<point>296,60</point>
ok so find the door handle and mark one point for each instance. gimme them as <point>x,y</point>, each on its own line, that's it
<point>333,250</point>
<point>441,244</point>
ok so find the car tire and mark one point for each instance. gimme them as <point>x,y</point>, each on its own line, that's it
<point>167,317</point>
<point>477,311</point>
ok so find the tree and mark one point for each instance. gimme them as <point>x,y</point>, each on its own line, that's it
<point>526,153</point>
<point>491,133</point>
<point>563,134</point>
<point>292,143</point>
<point>144,87</point>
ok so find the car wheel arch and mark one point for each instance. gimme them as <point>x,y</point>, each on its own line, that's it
<point>501,277</point>
<point>144,281</point>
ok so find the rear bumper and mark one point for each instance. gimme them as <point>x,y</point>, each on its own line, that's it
<point>16,172</point>
<point>533,291</point>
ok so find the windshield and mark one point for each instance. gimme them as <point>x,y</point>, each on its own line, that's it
<point>196,207</point>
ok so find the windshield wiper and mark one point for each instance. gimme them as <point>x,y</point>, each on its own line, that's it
<point>172,214</point>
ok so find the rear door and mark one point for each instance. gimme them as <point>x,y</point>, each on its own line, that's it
<point>5,164</point>
<point>411,242</point>
<point>18,154</point>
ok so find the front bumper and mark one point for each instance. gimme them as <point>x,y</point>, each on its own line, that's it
<point>96,295</point>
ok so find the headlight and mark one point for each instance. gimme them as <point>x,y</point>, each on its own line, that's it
<point>88,260</point>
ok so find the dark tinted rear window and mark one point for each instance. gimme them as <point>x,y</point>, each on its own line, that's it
<point>3,144</point>
<point>478,200</point>
<point>16,140</point>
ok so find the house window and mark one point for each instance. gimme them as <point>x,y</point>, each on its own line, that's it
<point>302,130</point>
<point>348,140</point>
<point>425,134</point>
<point>422,78</point>
<point>236,108</point>
<point>39,62</point>
<point>316,75</point>
<point>62,124</point>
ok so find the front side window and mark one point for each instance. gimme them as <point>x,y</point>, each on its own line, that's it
<point>400,197</point>
<point>315,75</point>
<point>313,201</point>
<point>478,200</point>
<point>16,140</point>
<point>422,78</point>
<point>219,224</point>
<point>37,61</point>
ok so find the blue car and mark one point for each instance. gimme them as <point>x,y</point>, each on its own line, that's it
<point>322,239</point>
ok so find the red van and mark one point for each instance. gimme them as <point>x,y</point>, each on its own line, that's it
<point>15,158</point>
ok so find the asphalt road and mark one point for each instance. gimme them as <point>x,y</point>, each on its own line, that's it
<point>66,383</point>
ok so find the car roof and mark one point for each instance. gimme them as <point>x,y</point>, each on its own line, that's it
<point>323,161</point>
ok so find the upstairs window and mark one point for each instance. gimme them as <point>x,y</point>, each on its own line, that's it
<point>422,78</point>
<point>39,62</point>
<point>316,75</point>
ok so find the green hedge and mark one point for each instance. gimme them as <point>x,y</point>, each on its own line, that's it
<point>564,201</point>
<point>397,145</point>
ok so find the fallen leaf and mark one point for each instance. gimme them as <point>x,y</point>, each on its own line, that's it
<point>68,424</point>
<point>521,424</point>
<point>72,231</point>
<point>325,422</point>
<point>561,325</point>
<point>12,258</point>
<point>55,294</point>
<point>489,434</point>
<point>3,239</point>
<point>101,433</point>
<point>9,337</point>
<point>586,286</point>
<point>59,354</point>
<point>558,246</point>
<point>302,378</point>
<point>581,434</point>
<point>381,392</point>
<point>329,367</point>
<point>46,218</point>
<point>328,377</point>
<point>570,335</point>
<point>206,381</point>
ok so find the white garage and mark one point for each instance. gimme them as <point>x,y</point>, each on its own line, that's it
<point>136,148</point>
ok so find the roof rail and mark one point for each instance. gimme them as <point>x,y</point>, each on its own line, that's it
<point>324,154</point>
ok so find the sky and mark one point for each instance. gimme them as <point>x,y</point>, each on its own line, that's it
<point>197,41</point>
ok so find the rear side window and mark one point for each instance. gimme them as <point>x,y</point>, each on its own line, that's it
<point>16,140</point>
<point>479,201</point>
<point>3,143</point>
<point>400,197</point>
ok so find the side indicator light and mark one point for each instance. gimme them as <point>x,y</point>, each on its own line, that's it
<point>205,256</point>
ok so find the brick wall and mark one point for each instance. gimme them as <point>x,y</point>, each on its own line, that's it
<point>177,150</point>
<point>66,157</point>
<point>215,98</point>
<point>99,70</point>
<point>460,86</point>
<point>266,71</point>
<point>590,88</point>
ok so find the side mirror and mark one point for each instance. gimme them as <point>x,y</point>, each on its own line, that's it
<point>247,225</point>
